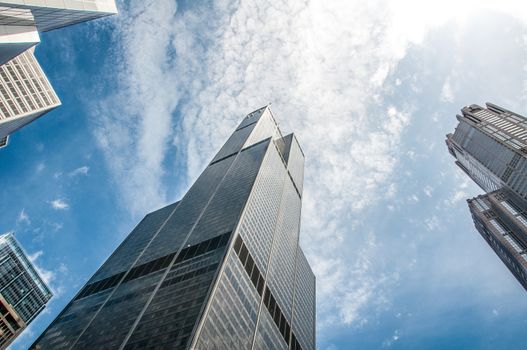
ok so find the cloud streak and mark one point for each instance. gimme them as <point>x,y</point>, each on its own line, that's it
<point>47,276</point>
<point>83,170</point>
<point>59,204</point>
<point>23,217</point>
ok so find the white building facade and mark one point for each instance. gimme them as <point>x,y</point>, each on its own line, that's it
<point>25,92</point>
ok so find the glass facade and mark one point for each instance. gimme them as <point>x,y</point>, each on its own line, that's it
<point>220,269</point>
<point>23,293</point>
<point>490,145</point>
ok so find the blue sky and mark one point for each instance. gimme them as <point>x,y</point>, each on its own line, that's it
<point>369,89</point>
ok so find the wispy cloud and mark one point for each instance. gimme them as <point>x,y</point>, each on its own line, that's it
<point>83,170</point>
<point>59,204</point>
<point>47,276</point>
<point>390,341</point>
<point>33,257</point>
<point>447,93</point>
<point>432,223</point>
<point>57,226</point>
<point>264,54</point>
<point>53,279</point>
<point>63,268</point>
<point>185,78</point>
<point>428,190</point>
<point>23,217</point>
<point>40,167</point>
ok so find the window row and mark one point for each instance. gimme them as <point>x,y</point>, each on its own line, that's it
<point>156,265</point>
<point>269,300</point>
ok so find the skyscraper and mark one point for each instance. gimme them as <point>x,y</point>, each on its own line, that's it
<point>490,146</point>
<point>25,93</point>
<point>23,293</point>
<point>219,269</point>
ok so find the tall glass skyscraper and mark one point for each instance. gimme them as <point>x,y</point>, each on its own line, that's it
<point>25,92</point>
<point>23,293</point>
<point>220,269</point>
<point>490,145</point>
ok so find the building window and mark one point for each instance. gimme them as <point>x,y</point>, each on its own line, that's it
<point>498,226</point>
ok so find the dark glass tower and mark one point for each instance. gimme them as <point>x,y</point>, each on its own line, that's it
<point>220,269</point>
<point>490,145</point>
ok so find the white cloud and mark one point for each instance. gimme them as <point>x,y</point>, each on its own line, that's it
<point>57,226</point>
<point>456,197</point>
<point>390,341</point>
<point>186,78</point>
<point>63,268</point>
<point>33,257</point>
<point>40,167</point>
<point>428,190</point>
<point>322,68</point>
<point>432,223</point>
<point>495,312</point>
<point>59,204</point>
<point>23,218</point>
<point>413,198</point>
<point>447,93</point>
<point>46,275</point>
<point>83,170</point>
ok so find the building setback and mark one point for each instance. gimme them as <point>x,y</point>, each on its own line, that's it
<point>490,146</point>
<point>220,269</point>
<point>25,93</point>
<point>23,293</point>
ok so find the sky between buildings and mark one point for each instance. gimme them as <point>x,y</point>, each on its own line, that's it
<point>370,89</point>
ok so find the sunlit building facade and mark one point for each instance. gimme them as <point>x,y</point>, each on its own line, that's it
<point>490,146</point>
<point>220,269</point>
<point>23,293</point>
<point>20,24</point>
<point>25,94</point>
